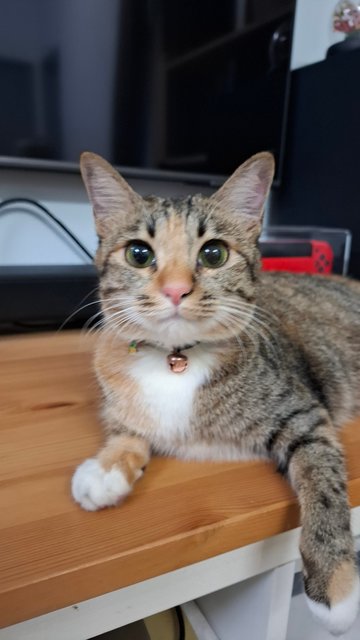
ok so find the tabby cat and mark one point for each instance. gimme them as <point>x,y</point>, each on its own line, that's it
<point>202,356</point>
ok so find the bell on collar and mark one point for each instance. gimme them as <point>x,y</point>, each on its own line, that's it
<point>177,362</point>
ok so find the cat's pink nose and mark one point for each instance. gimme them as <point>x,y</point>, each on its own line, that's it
<point>176,291</point>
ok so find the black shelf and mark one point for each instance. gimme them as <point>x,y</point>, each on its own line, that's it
<point>222,42</point>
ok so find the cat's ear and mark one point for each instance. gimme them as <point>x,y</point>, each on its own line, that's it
<point>110,195</point>
<point>246,190</point>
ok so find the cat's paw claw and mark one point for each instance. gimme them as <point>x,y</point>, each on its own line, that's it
<point>340,617</point>
<point>95,488</point>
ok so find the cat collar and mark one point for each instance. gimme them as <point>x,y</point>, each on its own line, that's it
<point>176,360</point>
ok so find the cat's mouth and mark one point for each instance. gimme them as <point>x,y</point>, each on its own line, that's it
<point>179,316</point>
<point>173,321</point>
<point>175,314</point>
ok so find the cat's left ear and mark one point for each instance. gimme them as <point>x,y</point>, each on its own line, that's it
<point>112,198</point>
<point>245,192</point>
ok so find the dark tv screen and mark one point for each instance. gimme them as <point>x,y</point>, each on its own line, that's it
<point>180,85</point>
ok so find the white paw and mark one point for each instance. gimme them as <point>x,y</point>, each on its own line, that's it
<point>94,488</point>
<point>339,618</point>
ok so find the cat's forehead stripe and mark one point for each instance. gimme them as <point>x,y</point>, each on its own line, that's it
<point>165,209</point>
<point>150,226</point>
<point>202,227</point>
<point>189,206</point>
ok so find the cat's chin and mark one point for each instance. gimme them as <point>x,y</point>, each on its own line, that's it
<point>175,332</point>
<point>179,332</point>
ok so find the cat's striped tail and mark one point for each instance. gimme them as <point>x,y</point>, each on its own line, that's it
<point>314,463</point>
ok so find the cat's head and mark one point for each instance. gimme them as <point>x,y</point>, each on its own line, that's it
<point>177,271</point>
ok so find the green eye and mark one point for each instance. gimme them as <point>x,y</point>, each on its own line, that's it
<point>213,254</point>
<point>139,254</point>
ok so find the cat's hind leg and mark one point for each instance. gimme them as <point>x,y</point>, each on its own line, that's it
<point>106,480</point>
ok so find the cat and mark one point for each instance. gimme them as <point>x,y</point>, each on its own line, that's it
<point>203,356</point>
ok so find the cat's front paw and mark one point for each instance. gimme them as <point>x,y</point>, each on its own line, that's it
<point>94,488</point>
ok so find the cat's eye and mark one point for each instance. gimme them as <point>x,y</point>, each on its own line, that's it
<point>139,254</point>
<point>213,254</point>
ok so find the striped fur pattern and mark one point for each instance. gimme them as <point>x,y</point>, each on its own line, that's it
<point>274,360</point>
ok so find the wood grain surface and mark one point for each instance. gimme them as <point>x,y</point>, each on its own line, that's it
<point>53,554</point>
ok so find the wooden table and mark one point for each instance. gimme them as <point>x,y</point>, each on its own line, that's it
<point>54,555</point>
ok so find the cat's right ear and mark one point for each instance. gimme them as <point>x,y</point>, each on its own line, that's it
<point>110,195</point>
<point>245,192</point>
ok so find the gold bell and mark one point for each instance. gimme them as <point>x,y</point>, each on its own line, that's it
<point>177,362</point>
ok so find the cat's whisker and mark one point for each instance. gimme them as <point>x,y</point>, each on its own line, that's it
<point>98,325</point>
<point>87,328</point>
<point>250,328</point>
<point>259,310</point>
<point>265,327</point>
<point>114,331</point>
<point>260,330</point>
<point>102,320</point>
<point>237,314</point>
<point>120,320</point>
<point>97,301</point>
<point>252,316</point>
<point>123,324</point>
<point>107,316</point>
<point>237,337</point>
<point>266,314</point>
<point>74,313</point>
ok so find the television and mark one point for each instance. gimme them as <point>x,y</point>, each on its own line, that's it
<point>190,86</point>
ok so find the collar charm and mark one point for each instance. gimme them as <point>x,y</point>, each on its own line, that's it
<point>133,346</point>
<point>177,361</point>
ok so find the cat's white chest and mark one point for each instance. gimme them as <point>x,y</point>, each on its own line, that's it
<point>169,397</point>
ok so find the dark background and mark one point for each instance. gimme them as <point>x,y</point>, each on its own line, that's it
<point>321,178</point>
<point>180,85</point>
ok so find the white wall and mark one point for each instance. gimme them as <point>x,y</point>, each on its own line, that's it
<point>313,32</point>
<point>26,239</point>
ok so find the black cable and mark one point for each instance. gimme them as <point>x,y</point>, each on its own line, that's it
<point>38,205</point>
<point>181,623</point>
